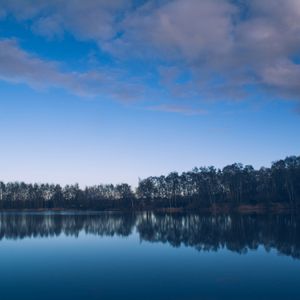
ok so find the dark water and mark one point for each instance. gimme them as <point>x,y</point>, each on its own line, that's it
<point>149,256</point>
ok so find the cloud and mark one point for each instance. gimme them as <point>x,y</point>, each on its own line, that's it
<point>18,66</point>
<point>189,29</point>
<point>227,48</point>
<point>284,77</point>
<point>50,26</point>
<point>297,110</point>
<point>88,19</point>
<point>185,110</point>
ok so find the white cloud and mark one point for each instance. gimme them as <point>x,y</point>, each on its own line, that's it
<point>18,66</point>
<point>283,76</point>
<point>189,29</point>
<point>224,45</point>
<point>88,19</point>
<point>181,109</point>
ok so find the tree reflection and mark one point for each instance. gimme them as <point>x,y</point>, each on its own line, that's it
<point>235,232</point>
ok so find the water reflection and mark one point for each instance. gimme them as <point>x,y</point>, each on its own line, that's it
<point>238,233</point>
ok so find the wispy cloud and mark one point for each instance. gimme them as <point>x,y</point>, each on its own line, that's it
<point>88,19</point>
<point>19,66</point>
<point>185,110</point>
<point>297,110</point>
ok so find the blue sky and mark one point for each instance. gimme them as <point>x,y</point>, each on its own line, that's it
<point>112,91</point>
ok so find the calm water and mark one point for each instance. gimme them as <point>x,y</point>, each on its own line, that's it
<point>149,256</point>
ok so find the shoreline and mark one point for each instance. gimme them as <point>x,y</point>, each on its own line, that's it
<point>275,208</point>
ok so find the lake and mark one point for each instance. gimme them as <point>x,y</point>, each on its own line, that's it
<point>149,256</point>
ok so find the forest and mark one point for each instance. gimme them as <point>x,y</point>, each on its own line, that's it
<point>203,187</point>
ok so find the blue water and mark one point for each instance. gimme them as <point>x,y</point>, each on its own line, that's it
<point>109,256</point>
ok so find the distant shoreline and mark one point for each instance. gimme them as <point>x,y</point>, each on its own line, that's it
<point>235,188</point>
<point>276,208</point>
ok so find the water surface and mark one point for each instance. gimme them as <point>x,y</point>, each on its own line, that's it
<point>148,256</point>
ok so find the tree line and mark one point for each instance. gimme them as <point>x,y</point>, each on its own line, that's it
<point>234,185</point>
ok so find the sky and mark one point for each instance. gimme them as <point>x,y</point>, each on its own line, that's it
<point>101,91</point>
